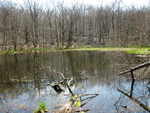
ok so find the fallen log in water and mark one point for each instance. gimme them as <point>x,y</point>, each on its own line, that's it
<point>74,100</point>
<point>135,68</point>
<point>74,104</point>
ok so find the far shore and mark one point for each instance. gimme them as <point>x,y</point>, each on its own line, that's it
<point>134,50</point>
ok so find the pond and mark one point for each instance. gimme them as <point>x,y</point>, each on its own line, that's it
<point>25,79</point>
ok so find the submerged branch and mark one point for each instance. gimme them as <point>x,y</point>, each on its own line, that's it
<point>135,100</point>
<point>126,107</point>
<point>83,110</point>
<point>96,94</point>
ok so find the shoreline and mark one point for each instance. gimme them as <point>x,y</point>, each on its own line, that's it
<point>140,51</point>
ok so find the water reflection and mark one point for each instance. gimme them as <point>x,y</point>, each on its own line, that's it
<point>138,101</point>
<point>24,79</point>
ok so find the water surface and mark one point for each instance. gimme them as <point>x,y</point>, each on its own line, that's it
<point>24,81</point>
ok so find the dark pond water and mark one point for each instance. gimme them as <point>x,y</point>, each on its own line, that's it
<point>24,81</point>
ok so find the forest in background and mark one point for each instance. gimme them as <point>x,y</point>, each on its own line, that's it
<point>32,25</point>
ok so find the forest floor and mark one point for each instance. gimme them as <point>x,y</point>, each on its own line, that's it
<point>134,50</point>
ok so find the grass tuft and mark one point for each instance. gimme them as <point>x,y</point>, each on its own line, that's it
<point>41,109</point>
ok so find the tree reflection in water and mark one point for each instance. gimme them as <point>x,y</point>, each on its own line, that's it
<point>24,79</point>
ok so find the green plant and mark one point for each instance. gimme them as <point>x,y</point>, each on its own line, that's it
<point>41,109</point>
<point>42,106</point>
<point>12,51</point>
<point>18,50</point>
<point>72,97</point>
<point>70,47</point>
<point>42,49</point>
<point>78,103</point>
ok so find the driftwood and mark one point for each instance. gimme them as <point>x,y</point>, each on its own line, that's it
<point>75,98</point>
<point>57,86</point>
<point>135,68</point>
<point>68,107</point>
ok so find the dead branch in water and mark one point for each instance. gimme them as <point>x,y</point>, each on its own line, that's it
<point>135,100</point>
<point>75,98</point>
<point>135,68</point>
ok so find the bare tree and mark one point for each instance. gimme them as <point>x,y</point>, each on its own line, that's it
<point>35,12</point>
<point>61,26</point>
<point>15,21</point>
<point>73,18</point>
<point>49,18</point>
<point>4,13</point>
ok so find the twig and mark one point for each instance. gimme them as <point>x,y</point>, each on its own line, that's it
<point>58,100</point>
<point>60,74</point>
<point>103,105</point>
<point>126,107</point>
<point>88,99</point>
<point>84,110</point>
<point>72,93</point>
<point>143,75</point>
<point>16,103</point>
<point>87,94</point>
